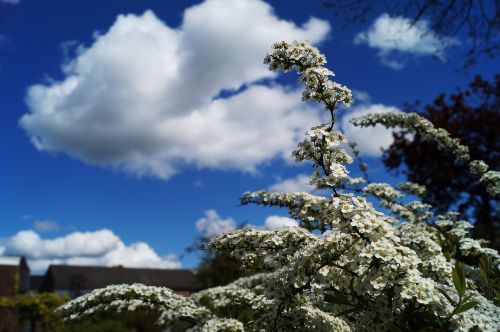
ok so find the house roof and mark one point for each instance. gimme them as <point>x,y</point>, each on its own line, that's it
<point>10,260</point>
<point>91,277</point>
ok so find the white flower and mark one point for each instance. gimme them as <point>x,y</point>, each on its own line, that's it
<point>407,294</point>
<point>346,208</point>
<point>324,271</point>
<point>378,283</point>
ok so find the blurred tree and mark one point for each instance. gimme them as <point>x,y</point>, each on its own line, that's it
<point>478,19</point>
<point>216,268</point>
<point>473,116</point>
<point>37,312</point>
<point>32,311</point>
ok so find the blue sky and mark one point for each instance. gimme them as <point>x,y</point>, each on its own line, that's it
<point>124,123</point>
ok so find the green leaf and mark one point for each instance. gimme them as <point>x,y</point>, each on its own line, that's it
<point>485,262</point>
<point>496,287</point>
<point>466,306</point>
<point>466,298</point>
<point>453,250</point>
<point>497,295</point>
<point>484,275</point>
<point>442,291</point>
<point>439,238</point>
<point>484,268</point>
<point>458,276</point>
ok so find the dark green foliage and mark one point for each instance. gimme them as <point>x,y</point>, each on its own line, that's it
<point>30,311</point>
<point>490,277</point>
<point>39,311</point>
<point>218,269</point>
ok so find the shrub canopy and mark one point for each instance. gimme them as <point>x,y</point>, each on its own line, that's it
<point>348,267</point>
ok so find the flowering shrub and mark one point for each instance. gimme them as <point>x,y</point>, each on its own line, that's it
<point>348,267</point>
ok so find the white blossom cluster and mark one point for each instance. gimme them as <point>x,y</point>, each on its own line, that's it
<point>174,311</point>
<point>313,148</point>
<point>458,231</point>
<point>383,191</point>
<point>308,62</point>
<point>391,198</point>
<point>311,210</point>
<point>413,188</point>
<point>418,124</point>
<point>348,267</point>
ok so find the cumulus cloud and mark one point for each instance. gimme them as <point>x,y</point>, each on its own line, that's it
<point>300,183</point>
<point>145,97</point>
<point>277,222</point>
<point>212,224</point>
<point>46,225</point>
<point>101,247</point>
<point>396,36</point>
<point>370,140</point>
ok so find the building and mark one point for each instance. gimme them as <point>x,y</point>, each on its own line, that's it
<point>77,280</point>
<point>14,275</point>
<point>14,280</point>
<point>35,283</point>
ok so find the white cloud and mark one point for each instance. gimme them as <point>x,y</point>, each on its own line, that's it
<point>394,36</point>
<point>212,224</point>
<point>277,222</point>
<point>100,247</point>
<point>300,183</point>
<point>27,216</point>
<point>361,96</point>
<point>370,140</point>
<point>143,97</point>
<point>45,225</point>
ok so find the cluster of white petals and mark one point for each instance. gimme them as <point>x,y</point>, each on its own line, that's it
<point>413,188</point>
<point>174,311</point>
<point>383,191</point>
<point>418,124</point>
<point>348,267</point>
<point>308,62</point>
